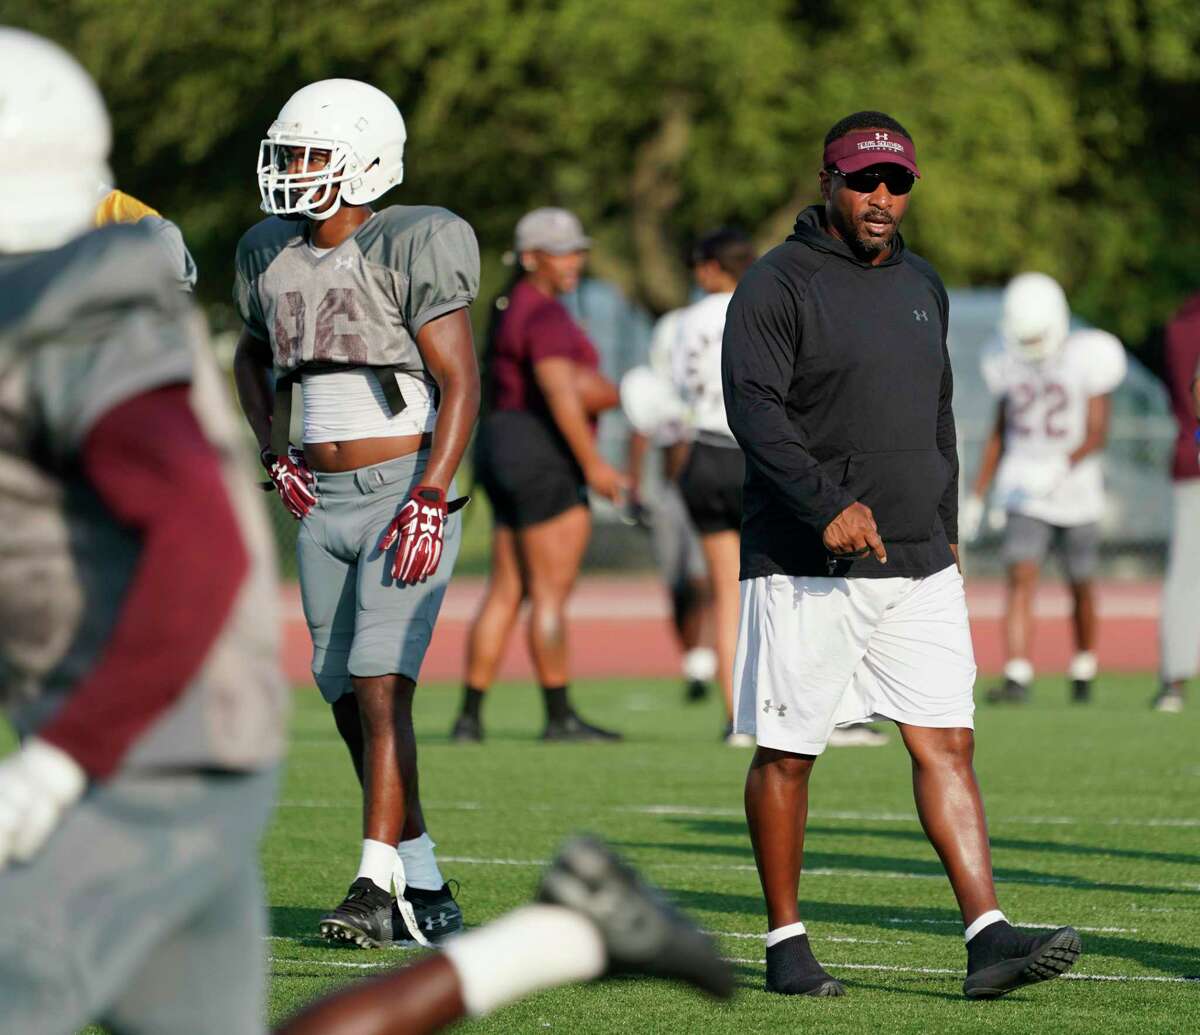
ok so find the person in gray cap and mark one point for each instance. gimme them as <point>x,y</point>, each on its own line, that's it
<point>536,457</point>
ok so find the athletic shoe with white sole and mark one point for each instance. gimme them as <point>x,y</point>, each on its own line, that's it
<point>1169,699</point>
<point>858,735</point>
<point>642,933</point>
<point>1007,959</point>
<point>436,913</point>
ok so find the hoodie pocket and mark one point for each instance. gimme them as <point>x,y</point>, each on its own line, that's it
<point>903,489</point>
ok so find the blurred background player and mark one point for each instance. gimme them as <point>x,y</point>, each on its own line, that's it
<point>536,457</point>
<point>139,663</point>
<point>391,391</point>
<point>1179,635</point>
<point>1053,386</point>
<point>594,917</point>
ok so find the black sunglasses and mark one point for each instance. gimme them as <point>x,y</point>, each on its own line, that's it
<point>865,181</point>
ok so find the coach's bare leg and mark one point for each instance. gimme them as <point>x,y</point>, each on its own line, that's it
<point>776,812</point>
<point>951,811</point>
<point>1018,615</point>
<point>391,798</point>
<point>1084,615</point>
<point>497,613</point>
<point>722,552</point>
<point>550,553</point>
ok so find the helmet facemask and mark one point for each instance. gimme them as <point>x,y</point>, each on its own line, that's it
<point>309,194</point>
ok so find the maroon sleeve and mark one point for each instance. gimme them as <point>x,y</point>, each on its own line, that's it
<point>550,333</point>
<point>156,472</point>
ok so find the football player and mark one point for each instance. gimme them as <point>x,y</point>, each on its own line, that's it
<point>137,661</point>
<point>1053,386</point>
<point>366,313</point>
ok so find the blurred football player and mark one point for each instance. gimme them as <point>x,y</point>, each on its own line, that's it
<point>138,632</point>
<point>1053,386</point>
<point>366,312</point>
<point>594,917</point>
<point>118,207</point>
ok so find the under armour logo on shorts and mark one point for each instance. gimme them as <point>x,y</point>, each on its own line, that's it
<point>780,710</point>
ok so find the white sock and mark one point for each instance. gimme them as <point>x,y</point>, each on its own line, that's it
<point>700,664</point>
<point>420,864</point>
<point>787,931</point>
<point>1019,670</point>
<point>382,865</point>
<point>530,949</point>
<point>1084,666</point>
<point>992,916</point>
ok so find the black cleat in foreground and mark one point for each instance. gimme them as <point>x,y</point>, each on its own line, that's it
<point>642,933</point>
<point>1008,692</point>
<point>436,913</point>
<point>792,969</point>
<point>1009,960</point>
<point>467,730</point>
<point>364,918</point>
<point>573,728</point>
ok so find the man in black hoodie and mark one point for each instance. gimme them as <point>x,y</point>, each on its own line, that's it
<point>838,388</point>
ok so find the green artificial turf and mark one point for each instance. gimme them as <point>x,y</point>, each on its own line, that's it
<point>1094,813</point>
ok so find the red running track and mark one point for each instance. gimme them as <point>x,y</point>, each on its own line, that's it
<point>620,627</point>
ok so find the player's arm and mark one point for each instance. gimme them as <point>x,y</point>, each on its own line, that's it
<point>448,349</point>
<point>252,362</point>
<point>160,478</point>
<point>596,392</point>
<point>993,450</point>
<point>1099,411</point>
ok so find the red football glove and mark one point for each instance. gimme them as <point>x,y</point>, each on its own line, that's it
<point>295,483</point>
<point>418,532</point>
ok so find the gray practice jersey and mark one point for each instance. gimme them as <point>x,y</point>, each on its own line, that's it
<point>83,329</point>
<point>363,302</point>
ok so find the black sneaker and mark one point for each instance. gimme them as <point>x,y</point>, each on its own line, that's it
<point>1008,959</point>
<point>642,933</point>
<point>792,969</point>
<point>695,690</point>
<point>1081,691</point>
<point>1008,692</point>
<point>436,913</point>
<point>1169,699</point>
<point>574,728</point>
<point>467,730</point>
<point>364,918</point>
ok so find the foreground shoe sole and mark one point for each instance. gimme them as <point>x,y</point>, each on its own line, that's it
<point>1051,960</point>
<point>344,934</point>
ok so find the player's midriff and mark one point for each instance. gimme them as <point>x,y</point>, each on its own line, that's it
<point>332,457</point>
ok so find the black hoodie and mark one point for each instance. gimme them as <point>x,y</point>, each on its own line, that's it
<point>838,388</point>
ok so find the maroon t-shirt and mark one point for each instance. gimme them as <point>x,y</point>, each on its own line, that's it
<point>534,327</point>
<point>1182,360</point>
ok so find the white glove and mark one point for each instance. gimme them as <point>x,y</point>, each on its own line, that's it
<point>970,518</point>
<point>37,785</point>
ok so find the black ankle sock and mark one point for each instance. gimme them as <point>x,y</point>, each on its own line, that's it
<point>792,969</point>
<point>557,707</point>
<point>472,700</point>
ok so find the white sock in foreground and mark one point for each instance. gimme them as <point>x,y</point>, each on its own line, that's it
<point>532,948</point>
<point>420,864</point>
<point>992,916</point>
<point>786,931</point>
<point>382,865</point>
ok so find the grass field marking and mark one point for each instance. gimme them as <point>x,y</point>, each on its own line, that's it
<point>328,963</point>
<point>892,969</point>
<point>905,922</point>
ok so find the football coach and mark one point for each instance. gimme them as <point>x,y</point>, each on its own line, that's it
<point>838,388</point>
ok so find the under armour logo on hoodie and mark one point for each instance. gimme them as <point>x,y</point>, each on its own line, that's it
<point>921,316</point>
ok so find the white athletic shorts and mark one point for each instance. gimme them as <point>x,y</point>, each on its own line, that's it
<point>814,653</point>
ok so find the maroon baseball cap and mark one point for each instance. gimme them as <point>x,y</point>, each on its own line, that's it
<point>863,147</point>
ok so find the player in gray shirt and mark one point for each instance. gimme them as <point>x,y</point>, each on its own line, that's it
<point>365,312</point>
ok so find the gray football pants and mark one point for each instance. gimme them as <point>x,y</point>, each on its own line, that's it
<point>143,912</point>
<point>1179,630</point>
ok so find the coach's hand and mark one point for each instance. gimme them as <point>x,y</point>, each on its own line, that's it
<point>605,480</point>
<point>37,785</point>
<point>853,533</point>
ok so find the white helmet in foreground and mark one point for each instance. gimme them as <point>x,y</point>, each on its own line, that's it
<point>360,127</point>
<point>55,134</point>
<point>1036,317</point>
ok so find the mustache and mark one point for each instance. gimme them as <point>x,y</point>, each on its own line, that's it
<point>876,215</point>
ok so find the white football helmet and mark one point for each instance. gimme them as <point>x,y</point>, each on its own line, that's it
<point>1036,317</point>
<point>360,127</point>
<point>55,133</point>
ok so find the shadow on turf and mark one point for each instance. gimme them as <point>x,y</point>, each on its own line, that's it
<point>1175,960</point>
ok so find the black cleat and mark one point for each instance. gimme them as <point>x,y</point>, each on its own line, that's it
<point>792,969</point>
<point>436,913</point>
<point>467,730</point>
<point>364,918</point>
<point>1081,691</point>
<point>1011,960</point>
<point>573,728</point>
<point>1008,692</point>
<point>695,690</point>
<point>642,933</point>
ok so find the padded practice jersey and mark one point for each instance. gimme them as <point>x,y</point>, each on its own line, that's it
<point>83,329</point>
<point>1046,408</point>
<point>363,302</point>
<point>695,368</point>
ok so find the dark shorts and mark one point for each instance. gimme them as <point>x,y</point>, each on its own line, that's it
<point>711,484</point>
<point>526,469</point>
<point>1031,539</point>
